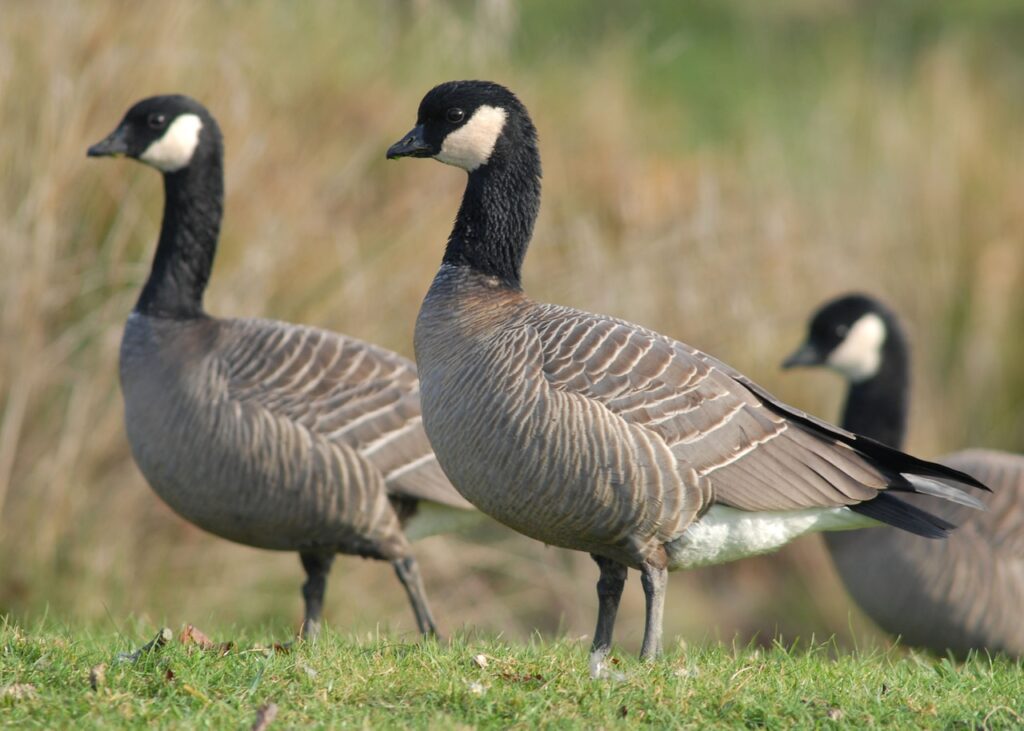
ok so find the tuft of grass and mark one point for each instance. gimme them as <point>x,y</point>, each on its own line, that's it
<point>56,677</point>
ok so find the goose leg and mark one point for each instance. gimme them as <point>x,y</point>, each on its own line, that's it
<point>409,574</point>
<point>609,592</point>
<point>654,581</point>
<point>317,566</point>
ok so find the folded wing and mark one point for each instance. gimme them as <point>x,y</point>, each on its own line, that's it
<point>344,390</point>
<point>746,450</point>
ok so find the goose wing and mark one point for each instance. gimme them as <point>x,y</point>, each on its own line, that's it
<point>344,390</point>
<point>745,448</point>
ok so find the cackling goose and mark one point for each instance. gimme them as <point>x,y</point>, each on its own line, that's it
<point>592,433</point>
<point>957,595</point>
<point>270,434</point>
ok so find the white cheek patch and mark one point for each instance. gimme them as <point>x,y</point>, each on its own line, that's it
<point>174,150</point>
<point>859,356</point>
<point>471,145</point>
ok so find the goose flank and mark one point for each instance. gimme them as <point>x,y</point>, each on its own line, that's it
<point>265,433</point>
<point>961,594</point>
<point>595,434</point>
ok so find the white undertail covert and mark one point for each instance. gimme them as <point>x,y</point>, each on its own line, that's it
<point>726,534</point>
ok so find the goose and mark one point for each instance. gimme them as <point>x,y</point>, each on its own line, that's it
<point>594,434</point>
<point>961,594</point>
<point>265,433</point>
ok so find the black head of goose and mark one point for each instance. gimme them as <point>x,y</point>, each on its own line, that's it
<point>592,433</point>
<point>177,136</point>
<point>862,340</point>
<point>965,593</point>
<point>270,434</point>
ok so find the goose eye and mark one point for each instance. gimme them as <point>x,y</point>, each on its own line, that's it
<point>841,331</point>
<point>156,121</point>
<point>455,115</point>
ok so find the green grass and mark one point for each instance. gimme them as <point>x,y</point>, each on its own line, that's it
<point>382,682</point>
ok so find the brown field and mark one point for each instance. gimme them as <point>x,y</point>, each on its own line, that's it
<point>712,175</point>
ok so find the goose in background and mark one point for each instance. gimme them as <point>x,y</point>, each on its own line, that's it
<point>265,433</point>
<point>957,595</point>
<point>594,434</point>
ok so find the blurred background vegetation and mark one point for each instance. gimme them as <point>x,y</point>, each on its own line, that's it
<point>712,170</point>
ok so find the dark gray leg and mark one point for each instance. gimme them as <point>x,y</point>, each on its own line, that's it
<point>654,580</point>
<point>409,574</point>
<point>609,592</point>
<point>317,566</point>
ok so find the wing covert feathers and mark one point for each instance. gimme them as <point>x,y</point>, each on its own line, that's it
<point>346,391</point>
<point>746,449</point>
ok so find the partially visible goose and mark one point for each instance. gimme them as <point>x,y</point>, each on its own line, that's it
<point>266,433</point>
<point>960,594</point>
<point>592,433</point>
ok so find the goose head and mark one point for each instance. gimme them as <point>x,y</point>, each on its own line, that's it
<point>482,128</point>
<point>169,133</point>
<point>849,335</point>
<point>468,124</point>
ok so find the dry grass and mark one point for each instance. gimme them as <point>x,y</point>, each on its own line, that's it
<point>905,178</point>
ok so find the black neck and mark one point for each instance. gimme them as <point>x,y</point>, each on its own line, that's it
<point>877,407</point>
<point>495,221</point>
<point>194,204</point>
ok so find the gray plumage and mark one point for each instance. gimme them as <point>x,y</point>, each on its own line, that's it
<point>957,595</point>
<point>961,594</point>
<point>592,433</point>
<point>265,433</point>
<point>278,436</point>
<point>573,407</point>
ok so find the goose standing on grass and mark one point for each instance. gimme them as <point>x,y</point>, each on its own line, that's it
<point>964,593</point>
<point>270,434</point>
<point>595,434</point>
